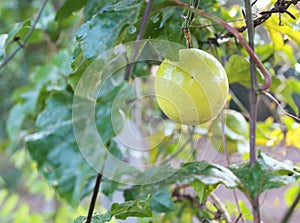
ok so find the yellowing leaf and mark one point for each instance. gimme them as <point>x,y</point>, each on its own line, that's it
<point>272,25</point>
<point>154,141</point>
<point>275,35</point>
<point>268,133</point>
<point>293,136</point>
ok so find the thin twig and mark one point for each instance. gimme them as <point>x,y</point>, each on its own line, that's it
<point>224,140</point>
<point>223,122</point>
<point>220,206</point>
<point>243,42</point>
<point>238,206</point>
<point>279,105</point>
<point>138,38</point>
<point>265,15</point>
<point>96,191</point>
<point>239,104</point>
<point>94,198</point>
<point>238,218</point>
<point>28,35</point>
<point>290,211</point>
<point>180,149</point>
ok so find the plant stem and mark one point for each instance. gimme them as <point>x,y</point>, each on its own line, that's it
<point>253,105</point>
<point>138,38</point>
<point>253,95</point>
<point>96,190</point>
<point>22,44</point>
<point>289,213</point>
<point>94,198</point>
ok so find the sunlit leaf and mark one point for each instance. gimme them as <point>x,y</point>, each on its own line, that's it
<point>207,173</point>
<point>238,71</point>
<point>289,88</point>
<point>269,133</point>
<point>273,25</point>
<point>291,194</point>
<point>293,136</point>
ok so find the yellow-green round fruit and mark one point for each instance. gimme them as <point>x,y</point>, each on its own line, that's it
<point>194,89</point>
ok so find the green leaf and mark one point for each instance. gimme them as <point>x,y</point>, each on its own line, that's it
<point>291,194</point>
<point>280,167</point>
<point>21,30</point>
<point>99,34</point>
<point>94,6</point>
<point>124,4</point>
<point>202,190</point>
<point>236,131</point>
<point>96,218</point>
<point>162,201</point>
<point>109,120</point>
<point>9,205</point>
<point>289,88</point>
<point>108,187</point>
<point>13,33</point>
<point>3,38</point>
<point>196,174</point>
<point>53,75</point>
<point>55,150</point>
<point>238,70</point>
<point>15,120</point>
<point>160,24</point>
<point>267,173</point>
<point>28,96</point>
<point>137,208</point>
<point>207,173</point>
<point>68,8</point>
<point>55,134</point>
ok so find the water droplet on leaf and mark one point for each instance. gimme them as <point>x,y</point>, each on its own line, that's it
<point>131,29</point>
<point>155,18</point>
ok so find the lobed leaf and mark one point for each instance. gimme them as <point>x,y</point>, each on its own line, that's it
<point>267,173</point>
<point>140,207</point>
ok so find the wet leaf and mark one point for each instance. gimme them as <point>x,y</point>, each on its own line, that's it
<point>98,35</point>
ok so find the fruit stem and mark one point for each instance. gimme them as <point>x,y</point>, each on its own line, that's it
<point>187,21</point>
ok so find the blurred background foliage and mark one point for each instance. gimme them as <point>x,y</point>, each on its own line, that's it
<point>38,182</point>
